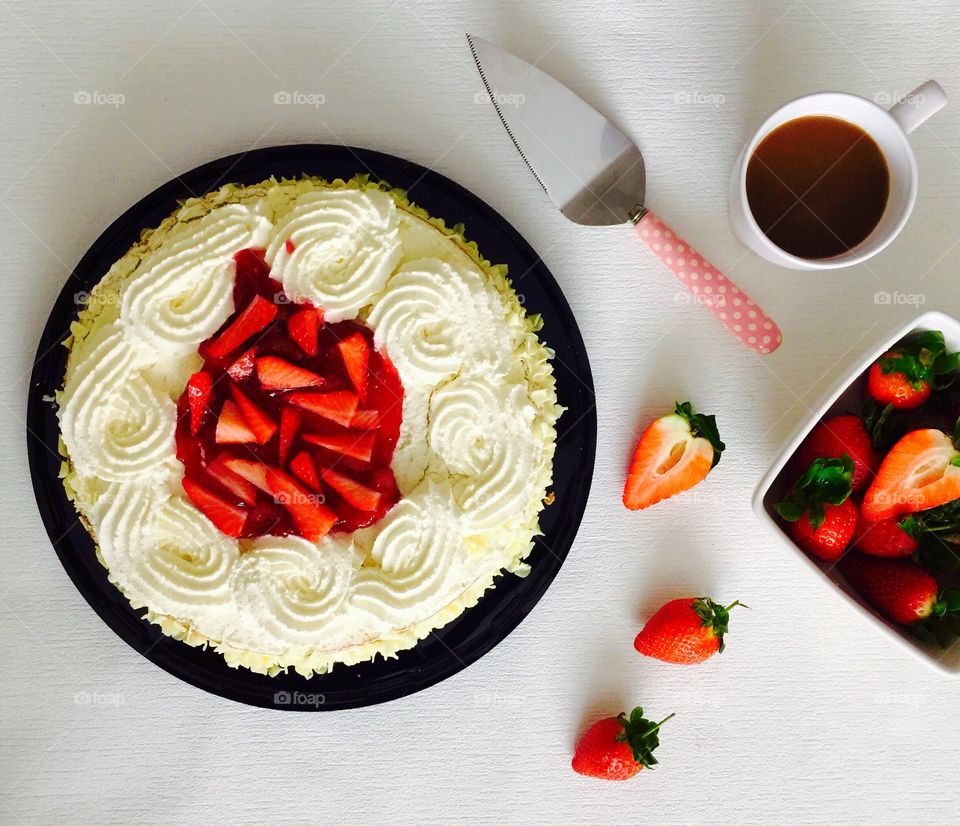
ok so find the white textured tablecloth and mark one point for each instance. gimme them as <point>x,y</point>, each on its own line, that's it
<point>809,716</point>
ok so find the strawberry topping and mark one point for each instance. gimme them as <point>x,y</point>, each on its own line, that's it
<point>227,517</point>
<point>199,389</point>
<point>271,431</point>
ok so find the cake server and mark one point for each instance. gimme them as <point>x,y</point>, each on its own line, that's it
<point>595,175</point>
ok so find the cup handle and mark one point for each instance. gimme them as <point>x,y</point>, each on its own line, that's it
<point>920,104</point>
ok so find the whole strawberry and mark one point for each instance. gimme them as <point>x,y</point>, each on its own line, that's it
<point>616,748</point>
<point>888,537</point>
<point>835,437</point>
<point>685,631</point>
<point>905,377</point>
<point>822,519</point>
<point>902,591</point>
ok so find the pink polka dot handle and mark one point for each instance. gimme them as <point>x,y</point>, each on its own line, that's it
<point>710,287</point>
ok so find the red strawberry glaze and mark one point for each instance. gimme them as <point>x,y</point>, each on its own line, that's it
<point>384,394</point>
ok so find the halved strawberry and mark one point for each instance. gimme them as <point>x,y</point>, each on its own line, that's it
<point>313,519</point>
<point>355,352</point>
<point>305,470</point>
<point>260,423</point>
<point>250,469</point>
<point>357,445</point>
<point>366,419</point>
<point>232,428</point>
<point>199,389</point>
<point>303,326</point>
<point>231,481</point>
<point>289,425</point>
<point>242,368</point>
<point>228,518</point>
<point>674,454</point>
<point>278,374</point>
<point>338,406</point>
<point>920,472</point>
<point>360,496</point>
<point>255,316</point>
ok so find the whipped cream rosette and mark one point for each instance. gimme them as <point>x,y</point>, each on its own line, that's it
<point>306,507</point>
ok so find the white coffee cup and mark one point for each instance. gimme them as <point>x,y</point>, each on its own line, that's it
<point>888,128</point>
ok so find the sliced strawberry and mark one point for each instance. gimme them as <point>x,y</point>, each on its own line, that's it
<point>264,518</point>
<point>255,316</point>
<point>357,445</point>
<point>199,389</point>
<point>232,428</point>
<point>919,472</point>
<point>228,518</point>
<point>360,496</point>
<point>289,246</point>
<point>260,423</point>
<point>674,453</point>
<point>303,326</point>
<point>338,406</point>
<point>355,352</point>
<point>289,425</point>
<point>366,419</point>
<point>242,368</point>
<point>278,374</point>
<point>305,470</point>
<point>231,481</point>
<point>250,469</point>
<point>313,519</point>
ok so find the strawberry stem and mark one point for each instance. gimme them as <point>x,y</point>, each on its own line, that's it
<point>825,482</point>
<point>715,616</point>
<point>641,735</point>
<point>702,426</point>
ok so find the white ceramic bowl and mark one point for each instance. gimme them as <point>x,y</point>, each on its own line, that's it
<point>847,397</point>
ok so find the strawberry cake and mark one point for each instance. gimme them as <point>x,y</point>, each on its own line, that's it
<point>306,423</point>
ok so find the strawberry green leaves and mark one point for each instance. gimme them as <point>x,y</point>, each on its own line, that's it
<point>943,625</point>
<point>922,359</point>
<point>641,735</point>
<point>702,425</point>
<point>715,616</point>
<point>825,482</point>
